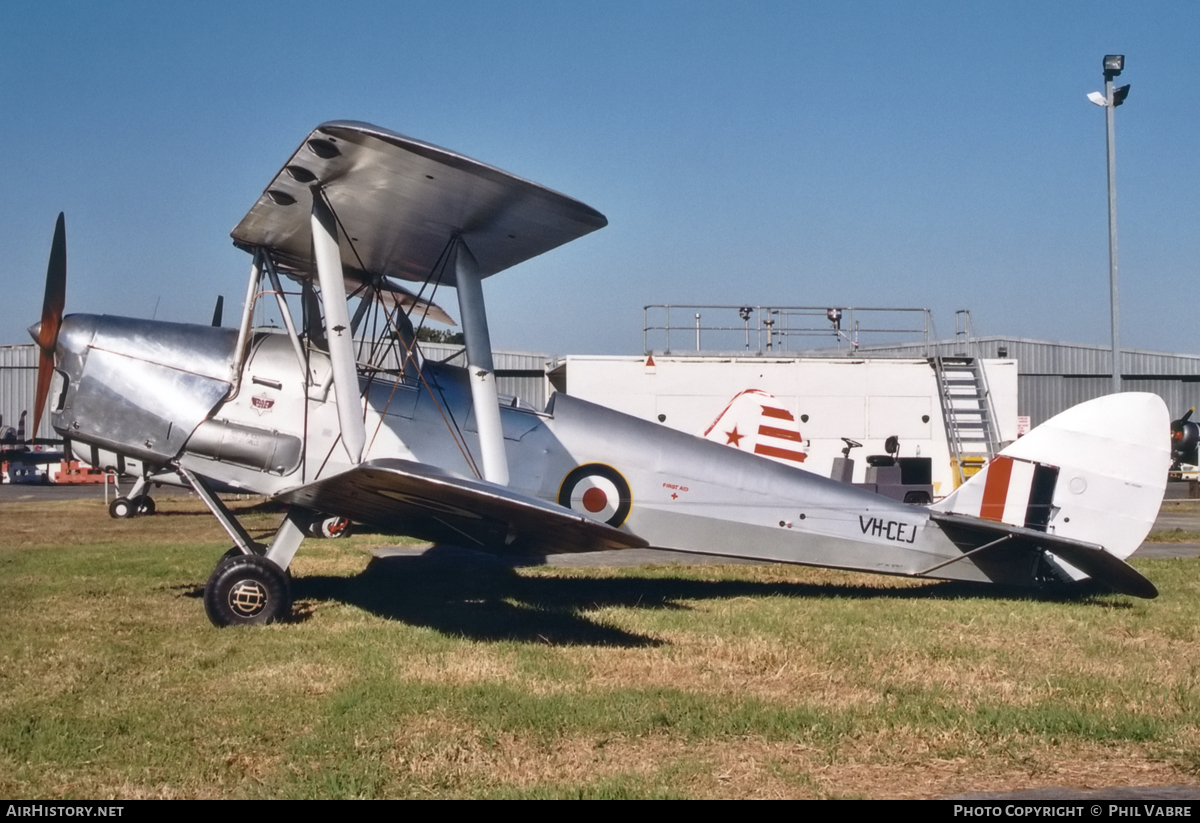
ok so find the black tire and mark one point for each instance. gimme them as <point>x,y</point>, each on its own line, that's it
<point>144,505</point>
<point>247,590</point>
<point>234,552</point>
<point>259,549</point>
<point>917,498</point>
<point>121,508</point>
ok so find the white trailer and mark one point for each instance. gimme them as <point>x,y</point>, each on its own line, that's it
<point>865,400</point>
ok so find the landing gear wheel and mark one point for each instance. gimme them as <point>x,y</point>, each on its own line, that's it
<point>143,504</point>
<point>330,527</point>
<point>121,508</point>
<point>247,590</point>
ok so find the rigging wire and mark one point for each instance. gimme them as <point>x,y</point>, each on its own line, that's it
<point>438,268</point>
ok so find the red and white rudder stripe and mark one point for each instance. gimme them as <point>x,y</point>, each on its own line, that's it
<point>1096,473</point>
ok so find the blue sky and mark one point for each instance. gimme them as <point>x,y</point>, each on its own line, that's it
<point>840,153</point>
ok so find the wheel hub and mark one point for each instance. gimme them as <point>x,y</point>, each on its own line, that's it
<point>247,598</point>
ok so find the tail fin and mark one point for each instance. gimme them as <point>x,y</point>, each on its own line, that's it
<point>1095,473</point>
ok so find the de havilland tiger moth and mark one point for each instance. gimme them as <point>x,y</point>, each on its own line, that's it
<point>338,413</point>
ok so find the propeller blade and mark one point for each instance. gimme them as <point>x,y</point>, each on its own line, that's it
<point>218,309</point>
<point>52,312</point>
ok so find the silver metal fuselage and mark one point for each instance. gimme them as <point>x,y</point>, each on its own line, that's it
<point>160,392</point>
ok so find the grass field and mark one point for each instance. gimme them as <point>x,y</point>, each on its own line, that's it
<point>452,675</point>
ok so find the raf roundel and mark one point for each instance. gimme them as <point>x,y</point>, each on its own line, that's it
<point>597,491</point>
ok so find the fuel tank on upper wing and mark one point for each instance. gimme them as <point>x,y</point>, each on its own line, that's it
<point>138,387</point>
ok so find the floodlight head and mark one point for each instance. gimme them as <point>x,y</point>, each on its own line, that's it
<point>1114,64</point>
<point>1119,95</point>
<point>1097,98</point>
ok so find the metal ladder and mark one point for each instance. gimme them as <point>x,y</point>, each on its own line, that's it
<point>967,410</point>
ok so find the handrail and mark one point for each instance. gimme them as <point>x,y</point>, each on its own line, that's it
<point>775,329</point>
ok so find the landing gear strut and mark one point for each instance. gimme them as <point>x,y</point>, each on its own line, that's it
<point>137,504</point>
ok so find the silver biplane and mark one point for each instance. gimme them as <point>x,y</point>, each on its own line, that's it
<point>338,413</point>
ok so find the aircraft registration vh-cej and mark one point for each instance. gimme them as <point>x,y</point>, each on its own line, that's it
<point>338,415</point>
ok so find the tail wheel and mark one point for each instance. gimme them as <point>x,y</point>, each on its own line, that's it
<point>247,590</point>
<point>121,508</point>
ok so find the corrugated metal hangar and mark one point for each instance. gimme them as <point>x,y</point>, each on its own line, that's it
<point>18,387</point>
<point>1053,376</point>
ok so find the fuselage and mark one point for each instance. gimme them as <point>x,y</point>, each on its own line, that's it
<point>165,393</point>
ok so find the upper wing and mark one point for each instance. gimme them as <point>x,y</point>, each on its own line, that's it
<point>402,200</point>
<point>426,502</point>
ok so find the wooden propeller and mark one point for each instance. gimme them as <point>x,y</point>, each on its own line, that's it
<point>46,332</point>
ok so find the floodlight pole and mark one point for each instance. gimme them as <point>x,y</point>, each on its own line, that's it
<point>1109,115</point>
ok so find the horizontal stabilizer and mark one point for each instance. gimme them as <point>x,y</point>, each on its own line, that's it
<point>1089,558</point>
<point>426,502</point>
<point>401,202</point>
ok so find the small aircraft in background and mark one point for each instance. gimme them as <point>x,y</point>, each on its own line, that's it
<point>339,414</point>
<point>23,456</point>
<point>1185,442</point>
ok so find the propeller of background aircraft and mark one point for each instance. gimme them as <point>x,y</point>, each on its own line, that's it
<point>1185,440</point>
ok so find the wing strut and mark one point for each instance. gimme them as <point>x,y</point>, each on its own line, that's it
<point>328,256</point>
<point>239,352</point>
<point>484,397</point>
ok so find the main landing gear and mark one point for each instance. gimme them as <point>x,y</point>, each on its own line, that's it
<point>123,507</point>
<point>137,504</point>
<point>250,585</point>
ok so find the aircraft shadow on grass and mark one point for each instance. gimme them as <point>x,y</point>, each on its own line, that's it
<point>480,596</point>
